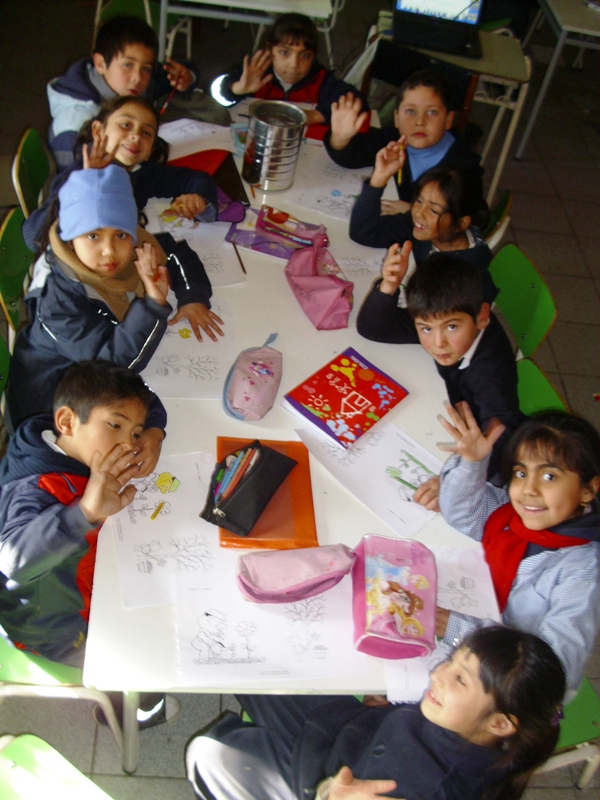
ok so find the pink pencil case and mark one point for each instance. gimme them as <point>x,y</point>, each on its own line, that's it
<point>283,576</point>
<point>394,598</point>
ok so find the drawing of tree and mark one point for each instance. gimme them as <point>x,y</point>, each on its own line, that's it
<point>199,368</point>
<point>359,266</point>
<point>307,613</point>
<point>213,262</point>
<point>188,554</point>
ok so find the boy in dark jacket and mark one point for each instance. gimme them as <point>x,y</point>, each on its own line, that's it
<point>423,122</point>
<point>63,474</point>
<point>447,314</point>
<point>287,69</point>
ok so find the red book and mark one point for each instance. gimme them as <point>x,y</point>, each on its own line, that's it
<point>345,398</point>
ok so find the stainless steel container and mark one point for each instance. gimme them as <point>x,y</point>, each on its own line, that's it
<point>273,144</point>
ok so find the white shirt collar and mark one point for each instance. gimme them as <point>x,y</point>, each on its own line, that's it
<point>50,438</point>
<point>466,359</point>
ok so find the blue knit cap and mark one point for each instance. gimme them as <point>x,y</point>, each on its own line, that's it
<point>97,198</point>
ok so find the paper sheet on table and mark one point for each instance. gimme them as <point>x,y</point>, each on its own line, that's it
<point>321,184</point>
<point>382,469</point>
<point>187,136</point>
<point>184,367</point>
<point>222,638</point>
<point>464,585</point>
<point>160,532</point>
<point>207,240</point>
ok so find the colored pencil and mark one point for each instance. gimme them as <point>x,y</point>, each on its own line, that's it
<point>239,258</point>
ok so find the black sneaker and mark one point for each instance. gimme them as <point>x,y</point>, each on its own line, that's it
<point>163,710</point>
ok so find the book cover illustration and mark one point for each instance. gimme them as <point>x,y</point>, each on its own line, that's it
<point>345,398</point>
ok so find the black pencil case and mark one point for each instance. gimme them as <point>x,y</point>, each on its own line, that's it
<point>239,513</point>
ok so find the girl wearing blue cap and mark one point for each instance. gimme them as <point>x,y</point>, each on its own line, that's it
<point>104,298</point>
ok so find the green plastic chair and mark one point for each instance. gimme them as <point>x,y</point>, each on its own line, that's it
<point>498,222</point>
<point>578,729</point>
<point>30,769</point>
<point>15,260</point>
<point>24,674</point>
<point>30,170</point>
<point>536,391</point>
<point>524,298</point>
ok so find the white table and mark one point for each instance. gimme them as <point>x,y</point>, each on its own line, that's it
<point>262,12</point>
<point>572,21</point>
<point>133,650</point>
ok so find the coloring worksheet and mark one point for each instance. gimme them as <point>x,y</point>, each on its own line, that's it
<point>222,637</point>
<point>464,585</point>
<point>187,136</point>
<point>321,184</point>
<point>383,470</point>
<point>184,367</point>
<point>207,240</point>
<point>161,534</point>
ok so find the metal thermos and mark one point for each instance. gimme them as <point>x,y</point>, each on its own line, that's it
<point>273,144</point>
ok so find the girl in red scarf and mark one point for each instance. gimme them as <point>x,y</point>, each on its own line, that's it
<point>541,534</point>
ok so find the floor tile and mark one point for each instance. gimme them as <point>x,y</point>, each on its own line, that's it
<point>529,177</point>
<point>553,253</point>
<point>131,787</point>
<point>576,348</point>
<point>582,185</point>
<point>576,298</point>
<point>583,216</point>
<point>556,778</point>
<point>538,213</point>
<point>580,392</point>
<point>591,253</point>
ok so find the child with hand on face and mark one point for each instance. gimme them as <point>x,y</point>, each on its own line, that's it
<point>65,471</point>
<point>447,214</point>
<point>287,69</point>
<point>540,534</point>
<point>123,63</point>
<point>422,131</point>
<point>488,718</point>
<point>104,298</point>
<point>124,132</point>
<point>448,314</point>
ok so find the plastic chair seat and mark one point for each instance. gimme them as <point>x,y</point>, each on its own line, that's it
<point>524,299</point>
<point>535,390</point>
<point>30,170</point>
<point>15,260</point>
<point>30,768</point>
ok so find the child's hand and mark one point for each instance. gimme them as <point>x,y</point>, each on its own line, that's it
<point>346,120</point>
<point>154,277</point>
<point>150,440</point>
<point>442,616</point>
<point>314,117</point>
<point>188,205</point>
<point>395,267</point>
<point>96,156</point>
<point>388,161</point>
<point>180,77</point>
<point>344,786</point>
<point>108,475</point>
<point>199,317</point>
<point>394,207</point>
<point>253,73</point>
<point>375,700</point>
<point>471,443</point>
<point>428,493</point>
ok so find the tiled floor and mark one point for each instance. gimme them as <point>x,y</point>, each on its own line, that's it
<point>555,219</point>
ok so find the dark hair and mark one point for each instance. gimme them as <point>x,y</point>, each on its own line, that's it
<point>444,284</point>
<point>114,36</point>
<point>527,683</point>
<point>293,29</point>
<point>160,148</point>
<point>89,384</point>
<point>432,80</point>
<point>560,438</point>
<point>462,190</point>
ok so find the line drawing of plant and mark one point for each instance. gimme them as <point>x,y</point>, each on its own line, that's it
<point>190,553</point>
<point>199,368</point>
<point>305,615</point>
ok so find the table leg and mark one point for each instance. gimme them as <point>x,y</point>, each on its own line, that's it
<point>542,93</point>
<point>162,31</point>
<point>131,702</point>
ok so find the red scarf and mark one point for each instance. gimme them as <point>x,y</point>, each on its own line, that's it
<point>505,540</point>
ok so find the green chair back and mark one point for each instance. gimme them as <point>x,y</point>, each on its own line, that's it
<point>18,666</point>
<point>536,392</point>
<point>498,214</point>
<point>15,259</point>
<point>524,299</point>
<point>4,365</point>
<point>30,171</point>
<point>30,768</point>
<point>581,722</point>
